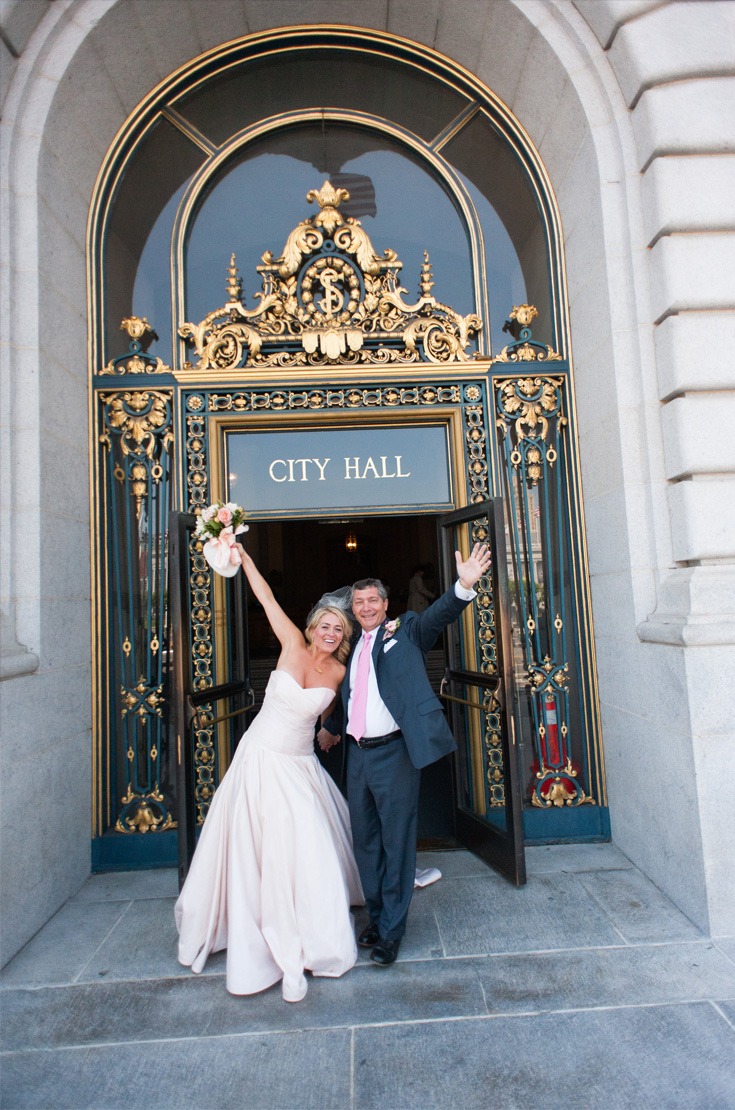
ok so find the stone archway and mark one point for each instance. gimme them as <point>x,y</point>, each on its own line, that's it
<point>567,96</point>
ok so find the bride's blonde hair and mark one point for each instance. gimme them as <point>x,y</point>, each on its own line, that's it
<point>343,650</point>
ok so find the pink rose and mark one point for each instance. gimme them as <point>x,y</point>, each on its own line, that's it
<point>222,554</point>
<point>224,515</point>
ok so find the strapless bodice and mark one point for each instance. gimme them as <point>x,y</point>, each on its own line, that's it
<point>286,721</point>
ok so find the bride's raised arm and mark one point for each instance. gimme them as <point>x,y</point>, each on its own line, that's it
<point>283,627</point>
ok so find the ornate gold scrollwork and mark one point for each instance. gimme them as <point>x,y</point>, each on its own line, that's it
<point>529,402</point>
<point>495,773</point>
<point>286,400</point>
<point>142,699</point>
<point>547,676</point>
<point>329,298</point>
<point>140,416</point>
<point>141,419</point>
<point>135,360</point>
<point>525,407</point>
<point>525,348</point>
<point>559,788</point>
<point>144,813</point>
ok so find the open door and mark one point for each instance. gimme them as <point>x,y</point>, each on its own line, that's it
<point>198,708</point>
<point>479,688</point>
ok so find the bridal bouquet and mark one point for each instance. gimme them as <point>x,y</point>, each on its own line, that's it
<point>219,525</point>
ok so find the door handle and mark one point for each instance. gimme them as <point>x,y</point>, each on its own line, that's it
<point>460,701</point>
<point>200,723</point>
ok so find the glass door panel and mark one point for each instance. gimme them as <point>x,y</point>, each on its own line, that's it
<point>479,690</point>
<point>206,720</point>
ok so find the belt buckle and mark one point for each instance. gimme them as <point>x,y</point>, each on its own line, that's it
<point>378,741</point>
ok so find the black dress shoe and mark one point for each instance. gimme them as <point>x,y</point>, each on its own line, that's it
<point>385,952</point>
<point>369,936</point>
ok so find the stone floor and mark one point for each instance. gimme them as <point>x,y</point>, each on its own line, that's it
<point>585,988</point>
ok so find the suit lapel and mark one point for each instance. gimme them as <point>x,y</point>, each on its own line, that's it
<point>378,645</point>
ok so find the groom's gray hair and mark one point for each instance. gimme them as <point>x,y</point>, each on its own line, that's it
<point>370,584</point>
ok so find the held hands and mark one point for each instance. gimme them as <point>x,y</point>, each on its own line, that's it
<point>326,740</point>
<point>472,569</point>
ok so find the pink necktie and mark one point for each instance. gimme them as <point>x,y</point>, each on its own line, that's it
<point>360,689</point>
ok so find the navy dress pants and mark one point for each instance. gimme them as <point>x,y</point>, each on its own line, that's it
<point>383,797</point>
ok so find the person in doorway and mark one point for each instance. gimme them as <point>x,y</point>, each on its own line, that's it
<point>419,595</point>
<point>273,876</point>
<point>393,726</point>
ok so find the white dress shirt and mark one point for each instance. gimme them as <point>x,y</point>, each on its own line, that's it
<point>378,719</point>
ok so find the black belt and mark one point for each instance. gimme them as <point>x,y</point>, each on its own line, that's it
<point>376,741</point>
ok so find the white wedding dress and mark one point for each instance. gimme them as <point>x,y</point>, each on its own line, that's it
<point>273,876</point>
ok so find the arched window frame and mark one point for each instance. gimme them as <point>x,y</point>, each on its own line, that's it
<point>201,181</point>
<point>163,102</point>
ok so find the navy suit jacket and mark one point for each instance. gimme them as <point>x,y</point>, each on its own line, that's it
<point>400,671</point>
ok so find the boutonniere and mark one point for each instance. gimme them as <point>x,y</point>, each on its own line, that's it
<point>391,627</point>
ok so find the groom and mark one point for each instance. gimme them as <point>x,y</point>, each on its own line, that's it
<point>394,727</point>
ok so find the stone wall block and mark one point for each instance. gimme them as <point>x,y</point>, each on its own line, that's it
<point>22,391</point>
<point>230,23</point>
<point>412,21</point>
<point>460,30</point>
<point>702,520</point>
<point>541,88</point>
<point>697,434</point>
<point>63,198</point>
<point>65,631</point>
<point>671,42</point>
<point>589,294</point>
<point>689,194</point>
<point>613,609</point>
<point>64,402</point>
<point>693,352</point>
<point>712,715</point>
<point>605,17</point>
<point>694,606</point>
<point>692,272</point>
<point>19,19</point>
<point>565,135</point>
<point>23,157</point>
<point>663,839</point>
<point>26,462</point>
<point>65,570</point>
<point>713,736</point>
<point>686,117</point>
<point>508,34</point>
<point>54,852</point>
<point>63,484</point>
<point>7,70</point>
<point>607,533</point>
<point>124,56</point>
<point>659,673</point>
<point>578,202</point>
<point>62,706</point>
<point>63,332</point>
<point>63,257</point>
<point>167,20</point>
<point>602,466</point>
<point>262,14</point>
<point>90,107</point>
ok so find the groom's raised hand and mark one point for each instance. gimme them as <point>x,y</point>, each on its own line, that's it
<point>471,570</point>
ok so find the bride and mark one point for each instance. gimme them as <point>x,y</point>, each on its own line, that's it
<point>273,876</point>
